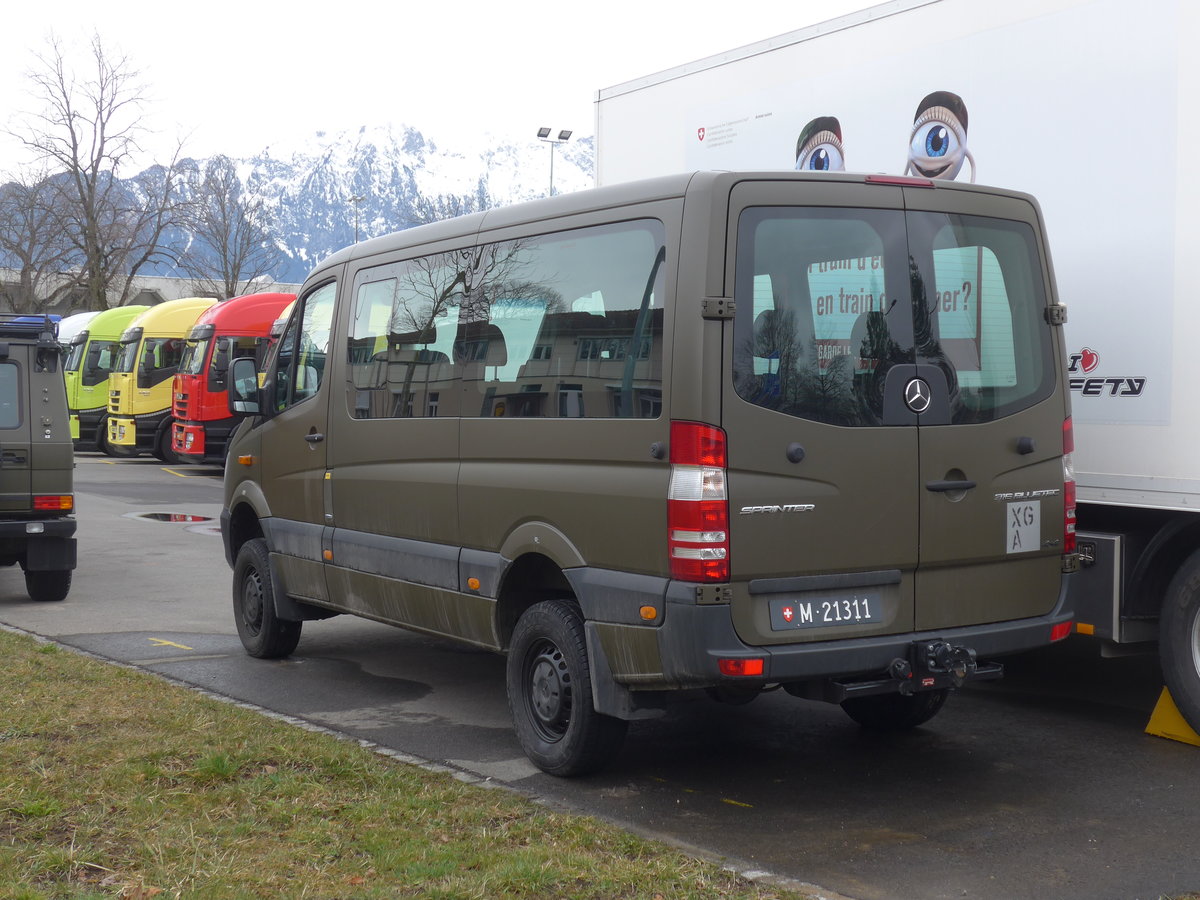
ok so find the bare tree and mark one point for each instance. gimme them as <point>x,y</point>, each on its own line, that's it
<point>232,241</point>
<point>87,132</point>
<point>33,243</point>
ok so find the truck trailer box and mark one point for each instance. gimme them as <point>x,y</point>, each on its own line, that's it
<point>1089,105</point>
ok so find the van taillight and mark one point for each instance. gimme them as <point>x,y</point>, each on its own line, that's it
<point>1068,459</point>
<point>698,504</point>
<point>54,502</point>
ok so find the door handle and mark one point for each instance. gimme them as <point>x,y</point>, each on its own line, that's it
<point>944,487</point>
<point>314,437</point>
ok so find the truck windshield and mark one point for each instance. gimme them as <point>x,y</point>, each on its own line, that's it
<point>194,353</point>
<point>75,353</point>
<point>127,361</point>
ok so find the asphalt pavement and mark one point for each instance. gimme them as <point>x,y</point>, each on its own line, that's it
<point>1043,785</point>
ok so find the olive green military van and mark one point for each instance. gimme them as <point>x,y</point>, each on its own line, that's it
<point>719,431</point>
<point>37,501</point>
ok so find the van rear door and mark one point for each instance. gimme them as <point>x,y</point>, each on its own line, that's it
<point>891,407</point>
<point>824,510</point>
<point>991,472</point>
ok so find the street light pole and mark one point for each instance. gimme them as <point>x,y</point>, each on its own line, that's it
<point>356,201</point>
<point>544,135</point>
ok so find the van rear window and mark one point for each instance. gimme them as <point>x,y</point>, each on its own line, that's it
<point>830,299</point>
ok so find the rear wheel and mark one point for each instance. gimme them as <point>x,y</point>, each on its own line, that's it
<point>263,634</point>
<point>48,587</point>
<point>1179,640</point>
<point>550,693</point>
<point>895,712</point>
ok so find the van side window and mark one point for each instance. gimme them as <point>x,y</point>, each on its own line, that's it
<point>568,325</point>
<point>10,395</point>
<point>400,351</point>
<point>300,365</point>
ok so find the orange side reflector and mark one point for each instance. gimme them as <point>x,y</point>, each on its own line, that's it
<point>55,502</point>
<point>649,613</point>
<point>246,460</point>
<point>740,666</point>
<point>328,554</point>
<point>1084,628</point>
<point>473,583</point>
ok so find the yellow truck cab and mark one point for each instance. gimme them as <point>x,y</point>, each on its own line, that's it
<point>139,398</point>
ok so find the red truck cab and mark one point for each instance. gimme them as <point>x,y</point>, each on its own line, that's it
<point>238,327</point>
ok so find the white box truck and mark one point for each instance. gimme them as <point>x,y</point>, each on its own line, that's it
<point>1092,106</point>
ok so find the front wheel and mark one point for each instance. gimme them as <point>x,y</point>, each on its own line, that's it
<point>163,448</point>
<point>48,587</point>
<point>1179,640</point>
<point>263,634</point>
<point>895,712</point>
<point>550,693</point>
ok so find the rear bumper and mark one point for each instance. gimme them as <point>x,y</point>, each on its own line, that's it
<point>694,637</point>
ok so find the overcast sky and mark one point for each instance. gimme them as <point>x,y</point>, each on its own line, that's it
<point>235,77</point>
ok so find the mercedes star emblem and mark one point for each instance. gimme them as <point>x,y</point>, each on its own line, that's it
<point>917,395</point>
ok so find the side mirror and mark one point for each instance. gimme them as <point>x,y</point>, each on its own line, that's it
<point>243,388</point>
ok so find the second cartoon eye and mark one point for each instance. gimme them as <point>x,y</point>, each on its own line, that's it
<point>819,147</point>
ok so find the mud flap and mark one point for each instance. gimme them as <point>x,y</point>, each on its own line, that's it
<point>50,554</point>
<point>610,698</point>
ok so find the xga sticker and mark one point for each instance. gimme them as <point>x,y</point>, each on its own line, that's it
<point>1024,533</point>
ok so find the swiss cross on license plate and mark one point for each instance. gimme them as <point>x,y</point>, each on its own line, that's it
<point>1024,530</point>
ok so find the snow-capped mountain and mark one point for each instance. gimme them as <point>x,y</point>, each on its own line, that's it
<point>391,178</point>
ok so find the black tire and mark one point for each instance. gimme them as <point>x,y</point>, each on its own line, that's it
<point>162,445</point>
<point>263,634</point>
<point>550,693</point>
<point>895,712</point>
<point>48,587</point>
<point>1179,640</point>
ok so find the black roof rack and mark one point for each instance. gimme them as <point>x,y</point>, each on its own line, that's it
<point>43,328</point>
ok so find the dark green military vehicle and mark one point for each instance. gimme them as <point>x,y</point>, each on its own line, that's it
<point>37,503</point>
<point>719,431</point>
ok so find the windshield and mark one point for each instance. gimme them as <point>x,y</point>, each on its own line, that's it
<point>128,357</point>
<point>192,362</point>
<point>75,353</point>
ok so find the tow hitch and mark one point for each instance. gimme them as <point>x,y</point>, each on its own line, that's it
<point>930,666</point>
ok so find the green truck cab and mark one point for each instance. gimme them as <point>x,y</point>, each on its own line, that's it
<point>37,501</point>
<point>715,432</point>
<point>92,354</point>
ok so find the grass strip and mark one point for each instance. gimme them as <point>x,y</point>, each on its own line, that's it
<point>116,783</point>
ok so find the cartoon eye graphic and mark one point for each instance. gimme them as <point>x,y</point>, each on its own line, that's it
<point>825,157</point>
<point>934,140</point>
<point>819,147</point>
<point>938,146</point>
